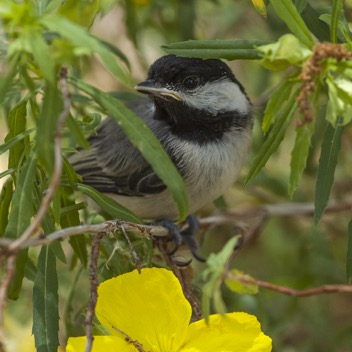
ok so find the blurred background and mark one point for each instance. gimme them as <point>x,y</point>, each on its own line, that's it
<point>285,248</point>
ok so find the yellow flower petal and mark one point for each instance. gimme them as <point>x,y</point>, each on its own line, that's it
<point>234,332</point>
<point>100,344</point>
<point>133,303</point>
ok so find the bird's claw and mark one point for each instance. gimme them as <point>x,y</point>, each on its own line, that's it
<point>186,236</point>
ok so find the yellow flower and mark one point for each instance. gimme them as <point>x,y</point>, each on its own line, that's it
<point>148,312</point>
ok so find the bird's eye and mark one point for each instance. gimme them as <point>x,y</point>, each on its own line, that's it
<point>191,82</point>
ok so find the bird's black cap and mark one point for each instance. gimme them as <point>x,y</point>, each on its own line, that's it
<point>171,68</point>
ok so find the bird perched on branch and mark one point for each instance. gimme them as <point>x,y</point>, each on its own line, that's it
<point>202,117</point>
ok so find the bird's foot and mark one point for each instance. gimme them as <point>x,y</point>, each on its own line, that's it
<point>186,236</point>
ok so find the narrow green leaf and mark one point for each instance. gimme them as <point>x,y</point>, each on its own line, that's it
<point>210,49</point>
<point>17,126</point>
<point>13,141</point>
<point>299,155</point>
<point>143,139</point>
<point>20,217</point>
<point>52,106</point>
<point>110,206</point>
<point>87,43</point>
<point>7,172</point>
<point>273,140</point>
<point>326,169</point>
<point>335,15</point>
<point>287,11</point>
<point>41,53</point>
<point>69,174</point>
<point>274,106</point>
<point>46,302</point>
<point>78,243</point>
<point>76,132</point>
<point>213,276</point>
<point>349,254</point>
<point>48,225</point>
<point>5,201</point>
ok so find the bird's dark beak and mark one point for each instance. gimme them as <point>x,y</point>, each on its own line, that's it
<point>150,87</point>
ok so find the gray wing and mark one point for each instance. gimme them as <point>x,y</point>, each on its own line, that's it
<point>113,164</point>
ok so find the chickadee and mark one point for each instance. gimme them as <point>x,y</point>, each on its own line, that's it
<point>202,117</point>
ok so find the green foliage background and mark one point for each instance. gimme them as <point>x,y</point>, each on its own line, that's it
<point>295,160</point>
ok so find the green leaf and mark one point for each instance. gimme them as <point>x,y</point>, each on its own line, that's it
<point>47,123</point>
<point>274,139</point>
<point>326,169</point>
<point>76,132</point>
<point>234,283</point>
<point>20,217</point>
<point>41,53</point>
<point>299,155</point>
<point>78,243</point>
<point>87,44</point>
<point>287,11</point>
<point>7,172</point>
<point>349,254</point>
<point>339,106</point>
<point>335,15</point>
<point>110,206</point>
<point>288,50</point>
<point>46,302</point>
<point>17,125</point>
<point>5,201</point>
<point>274,106</point>
<point>143,139</point>
<point>214,275</point>
<point>210,49</point>
<point>13,141</point>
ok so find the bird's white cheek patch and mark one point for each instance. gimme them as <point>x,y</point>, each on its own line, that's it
<point>218,96</point>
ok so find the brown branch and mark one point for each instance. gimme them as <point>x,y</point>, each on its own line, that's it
<point>93,275</point>
<point>290,291</point>
<point>55,180</point>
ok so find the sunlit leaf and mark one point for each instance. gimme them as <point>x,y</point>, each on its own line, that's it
<point>288,50</point>
<point>260,7</point>
<point>326,170</point>
<point>46,302</point>
<point>234,283</point>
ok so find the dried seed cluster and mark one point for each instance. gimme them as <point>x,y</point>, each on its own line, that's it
<point>312,69</point>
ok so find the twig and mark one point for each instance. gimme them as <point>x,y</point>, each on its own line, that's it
<point>290,291</point>
<point>93,274</point>
<point>137,261</point>
<point>105,227</point>
<point>55,180</point>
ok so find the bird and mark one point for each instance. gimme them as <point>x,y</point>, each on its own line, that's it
<point>201,115</point>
